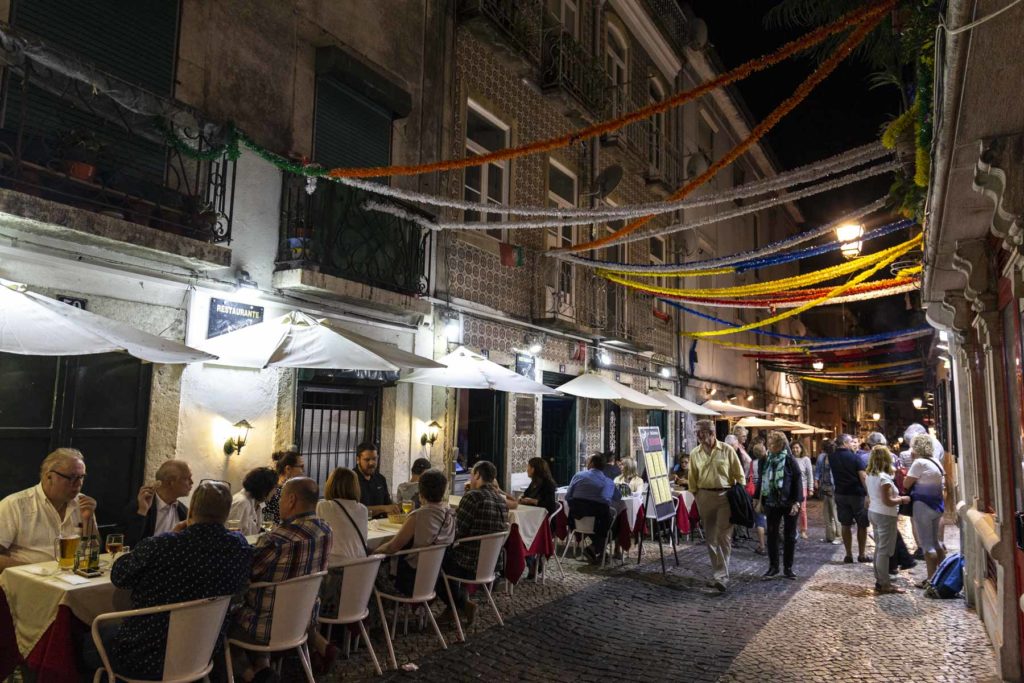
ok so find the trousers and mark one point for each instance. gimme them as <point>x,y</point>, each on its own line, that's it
<point>777,515</point>
<point>828,508</point>
<point>714,515</point>
<point>885,544</point>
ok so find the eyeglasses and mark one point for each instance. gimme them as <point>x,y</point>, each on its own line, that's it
<point>215,481</point>
<point>73,478</point>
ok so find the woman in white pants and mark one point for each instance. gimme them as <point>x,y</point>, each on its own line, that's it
<point>883,508</point>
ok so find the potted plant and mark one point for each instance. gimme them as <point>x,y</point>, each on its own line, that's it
<point>80,151</point>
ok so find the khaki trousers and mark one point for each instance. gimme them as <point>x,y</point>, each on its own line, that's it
<point>714,514</point>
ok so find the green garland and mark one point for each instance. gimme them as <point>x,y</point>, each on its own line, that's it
<point>228,149</point>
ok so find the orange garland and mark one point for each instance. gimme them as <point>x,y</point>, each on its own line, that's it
<point>871,13</point>
<point>801,93</point>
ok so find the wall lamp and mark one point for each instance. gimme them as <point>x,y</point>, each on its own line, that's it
<point>818,365</point>
<point>430,436</point>
<point>876,416</point>
<point>234,444</point>
<point>918,403</point>
<point>750,397</point>
<point>534,344</point>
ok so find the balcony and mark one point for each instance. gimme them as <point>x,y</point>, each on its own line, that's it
<point>515,24</point>
<point>333,247</point>
<point>658,159</point>
<point>568,67</point>
<point>105,151</point>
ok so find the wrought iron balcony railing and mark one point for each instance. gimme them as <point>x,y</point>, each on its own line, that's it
<point>566,64</point>
<point>330,231</point>
<point>518,21</point>
<point>73,134</point>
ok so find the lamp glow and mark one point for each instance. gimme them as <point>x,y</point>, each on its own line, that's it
<point>849,234</point>
<point>430,436</point>
<point>876,417</point>
<point>666,373</point>
<point>604,358</point>
<point>750,397</point>
<point>235,444</point>
<point>818,365</point>
<point>918,403</point>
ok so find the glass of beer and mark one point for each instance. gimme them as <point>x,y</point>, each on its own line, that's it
<point>234,525</point>
<point>66,547</point>
<point>406,506</point>
<point>115,543</point>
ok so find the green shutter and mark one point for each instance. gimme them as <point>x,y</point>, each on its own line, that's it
<point>349,130</point>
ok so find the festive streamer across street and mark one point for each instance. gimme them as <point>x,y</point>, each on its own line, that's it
<point>768,351</point>
<point>916,378</point>
<point>857,370</point>
<point>867,292</point>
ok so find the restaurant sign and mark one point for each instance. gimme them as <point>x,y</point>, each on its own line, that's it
<point>228,316</point>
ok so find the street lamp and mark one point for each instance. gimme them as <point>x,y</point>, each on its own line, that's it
<point>918,403</point>
<point>818,365</point>
<point>876,417</point>
<point>849,234</point>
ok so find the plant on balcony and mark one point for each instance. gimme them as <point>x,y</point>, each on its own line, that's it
<point>80,152</point>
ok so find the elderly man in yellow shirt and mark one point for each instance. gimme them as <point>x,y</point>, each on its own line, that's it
<point>714,467</point>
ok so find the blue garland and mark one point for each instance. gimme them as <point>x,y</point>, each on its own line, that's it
<point>766,261</point>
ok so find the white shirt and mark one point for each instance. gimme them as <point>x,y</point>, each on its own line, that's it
<point>29,525</point>
<point>247,511</point>
<point>166,516</point>
<point>927,472</point>
<point>875,484</point>
<point>806,472</point>
<point>348,541</point>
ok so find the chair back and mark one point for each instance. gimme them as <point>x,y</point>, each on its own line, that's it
<point>193,630</point>
<point>293,608</point>
<point>356,587</point>
<point>428,568</point>
<point>490,549</point>
<point>585,525</point>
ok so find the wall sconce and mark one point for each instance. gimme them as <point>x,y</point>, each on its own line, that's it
<point>918,403</point>
<point>818,365</point>
<point>876,416</point>
<point>534,344</point>
<point>235,444</point>
<point>665,372</point>
<point>732,397</point>
<point>750,397</point>
<point>430,436</point>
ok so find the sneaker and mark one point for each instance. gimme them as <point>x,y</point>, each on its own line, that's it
<point>836,541</point>
<point>918,554</point>
<point>789,574</point>
<point>865,558</point>
<point>771,573</point>
<point>848,560</point>
<point>803,534</point>
<point>909,565</point>
<point>719,585</point>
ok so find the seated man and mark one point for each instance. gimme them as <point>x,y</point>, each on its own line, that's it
<point>298,547</point>
<point>157,509</point>
<point>612,465</point>
<point>32,519</point>
<point>202,561</point>
<point>590,494</point>
<point>373,486</point>
<point>482,510</point>
<point>410,491</point>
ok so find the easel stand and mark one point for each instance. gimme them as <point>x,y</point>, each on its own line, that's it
<point>657,521</point>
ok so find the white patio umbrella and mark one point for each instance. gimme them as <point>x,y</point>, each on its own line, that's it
<point>35,325</point>
<point>297,340</point>
<point>812,430</point>
<point>593,385</point>
<point>761,423</point>
<point>731,410</point>
<point>681,404</point>
<point>464,369</point>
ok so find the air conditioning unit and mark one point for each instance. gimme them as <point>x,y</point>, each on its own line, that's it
<point>558,304</point>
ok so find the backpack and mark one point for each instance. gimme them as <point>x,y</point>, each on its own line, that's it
<point>948,579</point>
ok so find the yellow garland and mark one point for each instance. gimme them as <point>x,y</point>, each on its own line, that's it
<point>863,383</point>
<point>836,370</point>
<point>769,287</point>
<point>837,291</point>
<point>780,348</point>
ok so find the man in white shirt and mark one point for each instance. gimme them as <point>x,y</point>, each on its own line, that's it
<point>31,520</point>
<point>156,509</point>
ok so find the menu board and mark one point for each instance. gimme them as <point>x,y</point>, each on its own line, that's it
<point>654,466</point>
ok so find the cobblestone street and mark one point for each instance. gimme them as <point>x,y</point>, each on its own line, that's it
<point>632,623</point>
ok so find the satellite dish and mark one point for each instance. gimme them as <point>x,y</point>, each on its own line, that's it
<point>697,164</point>
<point>607,180</point>
<point>697,35</point>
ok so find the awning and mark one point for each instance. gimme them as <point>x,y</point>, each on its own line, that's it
<point>731,410</point>
<point>680,404</point>
<point>464,369</point>
<point>761,423</point>
<point>593,385</point>
<point>297,340</point>
<point>35,325</point>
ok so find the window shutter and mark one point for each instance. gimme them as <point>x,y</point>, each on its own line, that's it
<point>349,130</point>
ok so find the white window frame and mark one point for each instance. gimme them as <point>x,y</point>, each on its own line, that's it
<point>500,234</point>
<point>574,28</point>
<point>613,64</point>
<point>659,129</point>
<point>554,237</point>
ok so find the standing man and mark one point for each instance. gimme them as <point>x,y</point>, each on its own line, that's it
<point>30,520</point>
<point>373,487</point>
<point>714,467</point>
<point>590,494</point>
<point>850,478</point>
<point>157,509</point>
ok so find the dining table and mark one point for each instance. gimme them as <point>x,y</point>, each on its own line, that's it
<point>630,517</point>
<point>528,536</point>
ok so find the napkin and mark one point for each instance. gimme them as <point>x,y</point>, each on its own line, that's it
<point>73,579</point>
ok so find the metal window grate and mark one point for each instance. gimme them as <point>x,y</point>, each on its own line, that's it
<point>332,422</point>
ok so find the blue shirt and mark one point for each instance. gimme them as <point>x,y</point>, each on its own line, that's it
<point>823,471</point>
<point>592,485</point>
<point>202,561</point>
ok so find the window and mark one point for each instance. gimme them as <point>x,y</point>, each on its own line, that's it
<point>487,184</point>
<point>615,64</point>
<point>562,192</point>
<point>706,134</point>
<point>656,142</point>
<point>568,14</point>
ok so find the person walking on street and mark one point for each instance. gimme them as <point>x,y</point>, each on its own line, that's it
<point>824,485</point>
<point>803,461</point>
<point>780,493</point>
<point>883,511</point>
<point>849,477</point>
<point>714,467</point>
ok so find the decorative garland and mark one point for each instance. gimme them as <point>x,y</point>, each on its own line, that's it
<point>874,290</point>
<point>856,370</point>
<point>769,286</point>
<point>914,379</point>
<point>856,280</point>
<point>768,351</point>
<point>798,96</point>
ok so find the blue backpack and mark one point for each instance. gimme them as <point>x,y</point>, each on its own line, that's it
<point>948,579</point>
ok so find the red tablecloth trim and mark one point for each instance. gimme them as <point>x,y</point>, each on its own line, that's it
<point>624,535</point>
<point>54,656</point>
<point>516,551</point>
<point>561,525</point>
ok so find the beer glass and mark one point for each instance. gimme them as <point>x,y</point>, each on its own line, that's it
<point>234,525</point>
<point>115,543</point>
<point>406,506</point>
<point>65,548</point>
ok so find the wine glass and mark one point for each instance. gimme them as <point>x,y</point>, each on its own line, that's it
<point>115,543</point>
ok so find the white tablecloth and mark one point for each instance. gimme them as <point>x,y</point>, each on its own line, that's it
<point>34,599</point>
<point>631,504</point>
<point>530,518</point>
<point>379,532</point>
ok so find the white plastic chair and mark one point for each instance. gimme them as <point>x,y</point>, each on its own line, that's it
<point>354,598</point>
<point>486,566</point>
<point>542,569</point>
<point>428,568</point>
<point>584,528</point>
<point>193,629</point>
<point>289,622</point>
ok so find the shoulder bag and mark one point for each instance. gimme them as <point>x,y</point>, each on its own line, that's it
<point>366,550</point>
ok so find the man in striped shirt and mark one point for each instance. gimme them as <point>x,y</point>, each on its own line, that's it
<point>298,547</point>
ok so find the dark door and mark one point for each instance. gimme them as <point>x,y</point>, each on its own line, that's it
<point>482,427</point>
<point>558,437</point>
<point>332,421</point>
<point>98,404</point>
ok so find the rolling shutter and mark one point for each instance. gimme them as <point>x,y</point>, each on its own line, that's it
<point>349,130</point>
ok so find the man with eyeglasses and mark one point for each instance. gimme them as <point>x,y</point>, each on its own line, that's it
<point>714,467</point>
<point>32,519</point>
<point>157,509</point>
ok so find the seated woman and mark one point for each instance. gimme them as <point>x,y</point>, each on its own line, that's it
<point>433,523</point>
<point>629,476</point>
<point>347,516</point>
<point>681,471</point>
<point>541,491</point>
<point>247,504</point>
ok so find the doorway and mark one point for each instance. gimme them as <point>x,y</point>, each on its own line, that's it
<point>332,420</point>
<point>481,434</point>
<point>558,442</point>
